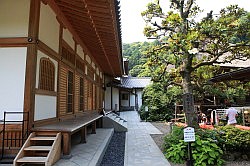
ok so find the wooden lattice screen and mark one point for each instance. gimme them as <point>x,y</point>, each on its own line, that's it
<point>47,75</point>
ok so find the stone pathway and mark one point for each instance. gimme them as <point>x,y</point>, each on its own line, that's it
<point>88,154</point>
<point>140,147</point>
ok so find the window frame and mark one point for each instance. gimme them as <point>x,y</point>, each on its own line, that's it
<point>46,75</point>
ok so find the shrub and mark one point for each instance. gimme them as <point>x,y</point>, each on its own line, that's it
<point>205,150</point>
<point>214,135</point>
<point>174,137</point>
<point>235,139</point>
<point>177,152</point>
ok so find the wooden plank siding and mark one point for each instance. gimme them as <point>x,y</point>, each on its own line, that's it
<point>85,94</point>
<point>63,90</point>
<point>90,95</point>
<point>77,93</point>
<point>94,96</point>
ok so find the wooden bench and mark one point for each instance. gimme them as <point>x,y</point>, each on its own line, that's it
<point>70,126</point>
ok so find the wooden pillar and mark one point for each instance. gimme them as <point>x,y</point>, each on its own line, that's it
<point>66,143</point>
<point>111,91</point>
<point>83,134</point>
<point>30,75</point>
<point>129,99</point>
<point>119,100</point>
<point>93,127</point>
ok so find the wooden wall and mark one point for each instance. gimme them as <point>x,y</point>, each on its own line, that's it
<point>45,32</point>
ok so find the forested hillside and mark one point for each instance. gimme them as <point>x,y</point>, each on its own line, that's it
<point>134,54</point>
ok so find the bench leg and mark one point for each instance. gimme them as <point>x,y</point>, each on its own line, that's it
<point>99,123</point>
<point>66,143</point>
<point>93,128</point>
<point>83,134</point>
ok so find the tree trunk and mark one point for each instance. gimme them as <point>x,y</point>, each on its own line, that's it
<point>188,100</point>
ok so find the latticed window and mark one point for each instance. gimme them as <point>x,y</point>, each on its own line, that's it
<point>47,75</point>
<point>124,96</point>
<point>70,93</point>
<point>68,55</point>
<point>81,105</point>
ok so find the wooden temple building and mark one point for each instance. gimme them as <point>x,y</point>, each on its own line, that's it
<point>242,75</point>
<point>55,56</point>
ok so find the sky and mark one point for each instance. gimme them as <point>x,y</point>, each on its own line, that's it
<point>133,24</point>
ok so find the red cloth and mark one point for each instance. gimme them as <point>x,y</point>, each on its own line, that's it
<point>204,126</point>
<point>243,127</point>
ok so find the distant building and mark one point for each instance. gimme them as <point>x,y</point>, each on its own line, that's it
<point>125,93</point>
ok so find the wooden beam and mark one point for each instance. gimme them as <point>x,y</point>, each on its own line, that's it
<point>31,60</point>
<point>98,36</point>
<point>48,51</point>
<point>14,42</point>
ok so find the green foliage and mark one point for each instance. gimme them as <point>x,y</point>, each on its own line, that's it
<point>174,137</point>
<point>209,145</point>
<point>192,46</point>
<point>205,150</point>
<point>177,152</point>
<point>134,54</point>
<point>214,135</point>
<point>235,139</point>
<point>160,102</point>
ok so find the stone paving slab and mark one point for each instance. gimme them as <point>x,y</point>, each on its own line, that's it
<point>86,154</point>
<point>140,148</point>
<point>90,153</point>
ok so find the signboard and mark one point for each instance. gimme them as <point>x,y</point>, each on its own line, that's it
<point>189,135</point>
<point>188,102</point>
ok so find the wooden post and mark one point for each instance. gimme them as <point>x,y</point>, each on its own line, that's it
<point>83,134</point>
<point>30,75</point>
<point>93,127</point>
<point>66,143</point>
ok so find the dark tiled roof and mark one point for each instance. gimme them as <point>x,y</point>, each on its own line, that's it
<point>135,82</point>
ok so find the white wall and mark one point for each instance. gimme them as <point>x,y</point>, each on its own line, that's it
<point>79,51</point>
<point>88,59</point>
<point>108,98</point>
<point>12,74</point>
<point>139,96</point>
<point>115,93</point>
<point>49,28</point>
<point>14,18</point>
<point>132,99</point>
<point>45,107</point>
<point>67,36</point>
<point>124,102</point>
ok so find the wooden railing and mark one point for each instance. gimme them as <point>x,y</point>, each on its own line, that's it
<point>13,133</point>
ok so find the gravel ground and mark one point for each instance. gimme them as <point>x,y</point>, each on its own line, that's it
<point>165,129</point>
<point>114,155</point>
